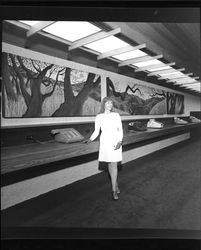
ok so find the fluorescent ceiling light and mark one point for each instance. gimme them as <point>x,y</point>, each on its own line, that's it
<point>29,22</point>
<point>185,81</point>
<point>183,76</point>
<point>172,73</point>
<point>72,31</point>
<point>151,62</point>
<point>194,88</point>
<point>129,55</point>
<point>107,44</point>
<point>197,84</point>
<point>161,68</point>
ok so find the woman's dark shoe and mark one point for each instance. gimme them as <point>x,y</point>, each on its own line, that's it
<point>114,195</point>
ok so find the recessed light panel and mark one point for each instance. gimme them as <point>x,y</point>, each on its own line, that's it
<point>130,55</point>
<point>71,31</point>
<point>161,68</point>
<point>147,63</point>
<point>31,23</point>
<point>175,73</point>
<point>107,44</point>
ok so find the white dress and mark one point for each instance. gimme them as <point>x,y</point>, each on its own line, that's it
<point>111,133</point>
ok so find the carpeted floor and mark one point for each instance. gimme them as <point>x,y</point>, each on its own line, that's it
<point>160,191</point>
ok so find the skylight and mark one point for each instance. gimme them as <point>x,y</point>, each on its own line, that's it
<point>30,23</point>
<point>107,44</point>
<point>151,62</point>
<point>161,68</point>
<point>72,31</point>
<point>185,81</point>
<point>172,73</point>
<point>129,55</point>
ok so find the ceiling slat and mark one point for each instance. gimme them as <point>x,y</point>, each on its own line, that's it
<point>93,38</point>
<point>38,26</point>
<point>139,59</point>
<point>120,51</point>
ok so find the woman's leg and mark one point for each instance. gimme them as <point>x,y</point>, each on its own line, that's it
<point>113,171</point>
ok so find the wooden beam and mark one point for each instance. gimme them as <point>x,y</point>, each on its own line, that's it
<point>38,26</point>
<point>93,38</point>
<point>139,59</point>
<point>154,66</point>
<point>165,71</point>
<point>120,51</point>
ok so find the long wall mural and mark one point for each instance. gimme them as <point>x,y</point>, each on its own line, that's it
<point>34,88</point>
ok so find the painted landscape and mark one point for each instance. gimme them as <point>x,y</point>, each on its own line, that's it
<point>134,99</point>
<point>33,88</point>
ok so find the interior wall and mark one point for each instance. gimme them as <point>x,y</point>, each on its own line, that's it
<point>192,103</point>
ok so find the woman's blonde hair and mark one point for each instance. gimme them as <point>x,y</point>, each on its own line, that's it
<point>105,99</point>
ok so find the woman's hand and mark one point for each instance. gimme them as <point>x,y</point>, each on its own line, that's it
<point>118,145</point>
<point>87,141</point>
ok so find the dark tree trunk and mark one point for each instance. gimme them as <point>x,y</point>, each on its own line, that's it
<point>34,108</point>
<point>6,79</point>
<point>72,105</point>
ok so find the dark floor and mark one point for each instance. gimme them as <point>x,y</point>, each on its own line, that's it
<point>160,191</point>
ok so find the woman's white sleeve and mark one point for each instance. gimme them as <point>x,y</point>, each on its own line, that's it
<point>96,130</point>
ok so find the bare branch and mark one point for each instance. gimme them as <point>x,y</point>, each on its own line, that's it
<point>43,72</point>
<point>37,69</point>
<point>122,95</point>
<point>51,92</point>
<point>25,94</point>
<point>161,94</point>
<point>28,72</point>
<point>49,81</point>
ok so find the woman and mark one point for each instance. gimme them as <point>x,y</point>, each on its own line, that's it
<point>110,149</point>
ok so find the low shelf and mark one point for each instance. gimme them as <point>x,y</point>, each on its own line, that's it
<point>15,158</point>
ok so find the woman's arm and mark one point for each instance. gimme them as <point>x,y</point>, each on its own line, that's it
<point>120,128</point>
<point>120,133</point>
<point>96,130</point>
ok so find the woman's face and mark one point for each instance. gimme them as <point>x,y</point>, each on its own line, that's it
<point>109,105</point>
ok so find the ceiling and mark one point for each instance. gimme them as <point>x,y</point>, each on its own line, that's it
<point>176,43</point>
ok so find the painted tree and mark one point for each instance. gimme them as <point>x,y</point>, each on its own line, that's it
<point>122,95</point>
<point>7,84</point>
<point>175,103</point>
<point>72,105</point>
<point>34,76</point>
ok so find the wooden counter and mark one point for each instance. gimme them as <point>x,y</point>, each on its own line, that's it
<point>21,157</point>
